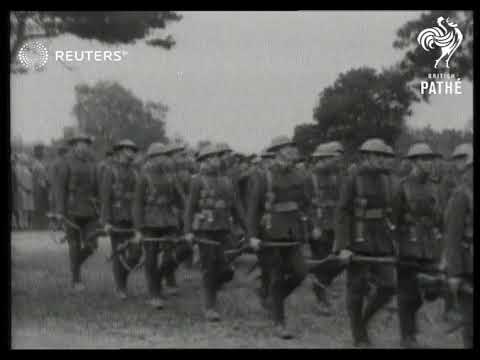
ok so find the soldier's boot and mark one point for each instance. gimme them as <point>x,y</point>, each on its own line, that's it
<point>357,326</point>
<point>282,332</point>
<point>408,325</point>
<point>323,307</point>
<point>376,302</point>
<point>211,313</point>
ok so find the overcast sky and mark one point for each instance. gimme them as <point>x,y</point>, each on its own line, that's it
<point>237,77</point>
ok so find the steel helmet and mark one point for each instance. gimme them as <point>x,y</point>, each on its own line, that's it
<point>469,159</point>
<point>79,136</point>
<point>126,143</point>
<point>207,151</point>
<point>374,145</point>
<point>335,146</point>
<point>267,154</point>
<point>389,150</point>
<point>324,150</point>
<point>279,142</point>
<point>420,149</point>
<point>155,149</point>
<point>173,148</point>
<point>464,149</point>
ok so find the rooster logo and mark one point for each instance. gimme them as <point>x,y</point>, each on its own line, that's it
<point>447,40</point>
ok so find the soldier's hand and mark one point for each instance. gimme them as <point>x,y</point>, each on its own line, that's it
<point>454,284</point>
<point>137,237</point>
<point>255,243</point>
<point>345,254</point>
<point>107,228</point>
<point>316,233</point>
<point>189,238</point>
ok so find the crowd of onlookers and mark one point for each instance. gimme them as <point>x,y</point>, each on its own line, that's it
<point>30,191</point>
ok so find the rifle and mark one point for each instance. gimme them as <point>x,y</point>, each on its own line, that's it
<point>334,264</point>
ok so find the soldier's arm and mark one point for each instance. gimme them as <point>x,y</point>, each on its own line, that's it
<point>254,206</point>
<point>106,197</point>
<point>237,207</point>
<point>138,202</point>
<point>344,214</point>
<point>192,202</point>
<point>454,231</point>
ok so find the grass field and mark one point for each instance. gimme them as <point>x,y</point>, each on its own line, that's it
<point>46,314</point>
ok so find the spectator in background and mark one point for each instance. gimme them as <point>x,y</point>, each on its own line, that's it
<point>40,188</point>
<point>25,189</point>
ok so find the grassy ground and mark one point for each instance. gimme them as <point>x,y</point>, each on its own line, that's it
<point>46,314</point>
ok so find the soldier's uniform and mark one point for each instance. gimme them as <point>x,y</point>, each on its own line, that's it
<point>360,226</point>
<point>323,185</point>
<point>77,185</point>
<point>459,225</point>
<point>211,206</point>
<point>156,214</point>
<point>276,207</point>
<point>418,216</point>
<point>117,191</point>
<point>180,181</point>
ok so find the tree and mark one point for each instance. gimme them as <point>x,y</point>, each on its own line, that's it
<point>360,104</point>
<point>108,27</point>
<point>417,62</point>
<point>110,113</point>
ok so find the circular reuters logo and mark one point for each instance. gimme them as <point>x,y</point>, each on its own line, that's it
<point>33,55</point>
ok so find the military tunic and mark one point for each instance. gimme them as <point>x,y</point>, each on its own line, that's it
<point>77,186</point>
<point>156,213</point>
<point>211,207</point>
<point>276,208</point>
<point>360,226</point>
<point>418,215</point>
<point>117,192</point>
<point>459,225</point>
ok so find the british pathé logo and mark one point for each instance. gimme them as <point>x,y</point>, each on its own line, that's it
<point>448,38</point>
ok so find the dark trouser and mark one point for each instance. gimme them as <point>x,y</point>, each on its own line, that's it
<point>120,271</point>
<point>216,271</point>
<point>168,258</point>
<point>153,272</point>
<point>410,298</point>
<point>79,247</point>
<point>361,311</point>
<point>285,269</point>
<point>320,249</point>
<point>465,302</point>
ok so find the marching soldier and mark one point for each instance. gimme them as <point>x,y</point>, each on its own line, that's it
<point>459,247</point>
<point>77,185</point>
<point>175,152</point>
<point>156,215</point>
<point>117,190</point>
<point>418,216</point>
<point>361,228</point>
<point>323,187</point>
<point>449,182</point>
<point>275,227</point>
<point>211,205</point>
